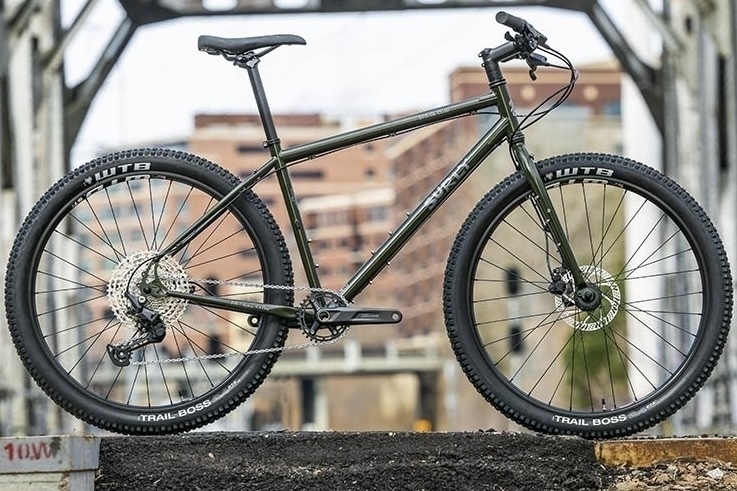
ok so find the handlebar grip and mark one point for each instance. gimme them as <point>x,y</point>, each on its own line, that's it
<point>517,24</point>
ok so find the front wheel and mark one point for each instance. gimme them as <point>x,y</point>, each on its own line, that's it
<point>632,357</point>
<point>83,251</point>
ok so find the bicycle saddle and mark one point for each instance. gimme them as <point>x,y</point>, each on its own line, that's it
<point>238,46</point>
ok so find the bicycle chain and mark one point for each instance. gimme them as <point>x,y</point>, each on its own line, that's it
<point>256,351</point>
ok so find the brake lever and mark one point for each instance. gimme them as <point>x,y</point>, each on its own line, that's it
<point>535,60</point>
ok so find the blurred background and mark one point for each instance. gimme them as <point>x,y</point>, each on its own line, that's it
<point>81,78</point>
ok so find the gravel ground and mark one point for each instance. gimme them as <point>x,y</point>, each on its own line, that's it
<point>679,475</point>
<point>385,461</point>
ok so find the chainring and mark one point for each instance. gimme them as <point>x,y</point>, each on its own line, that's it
<point>312,328</point>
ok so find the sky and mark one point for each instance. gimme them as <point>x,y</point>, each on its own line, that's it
<point>354,65</point>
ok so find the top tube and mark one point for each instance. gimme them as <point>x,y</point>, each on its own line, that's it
<point>388,128</point>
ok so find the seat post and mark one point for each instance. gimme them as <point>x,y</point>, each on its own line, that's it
<point>267,120</point>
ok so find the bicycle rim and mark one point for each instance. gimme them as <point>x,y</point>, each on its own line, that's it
<point>609,365</point>
<point>97,248</point>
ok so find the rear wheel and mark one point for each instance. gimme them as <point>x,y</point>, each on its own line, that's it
<point>86,244</point>
<point>630,358</point>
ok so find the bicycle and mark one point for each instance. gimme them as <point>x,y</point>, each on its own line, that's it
<point>111,310</point>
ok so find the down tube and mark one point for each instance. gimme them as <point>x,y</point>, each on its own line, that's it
<point>468,164</point>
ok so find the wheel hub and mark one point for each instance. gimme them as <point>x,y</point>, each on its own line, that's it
<point>592,307</point>
<point>588,298</point>
<point>129,273</point>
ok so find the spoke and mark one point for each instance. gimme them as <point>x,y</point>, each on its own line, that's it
<point>219,258</point>
<point>519,259</point>
<point>507,319</point>
<point>693,335</point>
<point>628,274</point>
<point>183,254</point>
<point>548,368</point>
<point>194,345</point>
<point>196,348</point>
<point>71,305</point>
<point>511,296</point>
<point>105,241</point>
<point>78,326</point>
<point>624,360</point>
<point>133,384</point>
<point>102,287</point>
<point>227,320</point>
<point>213,229</point>
<point>587,214</point>
<point>183,362</point>
<point>138,215</point>
<point>529,355</point>
<point>541,285</point>
<point>115,221</point>
<point>175,220</point>
<point>75,266</point>
<point>609,367</point>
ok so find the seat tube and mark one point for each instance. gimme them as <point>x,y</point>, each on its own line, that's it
<point>295,218</point>
<point>285,183</point>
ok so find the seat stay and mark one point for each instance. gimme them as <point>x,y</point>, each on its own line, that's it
<point>239,46</point>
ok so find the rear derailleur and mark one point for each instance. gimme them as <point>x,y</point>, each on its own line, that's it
<point>151,329</point>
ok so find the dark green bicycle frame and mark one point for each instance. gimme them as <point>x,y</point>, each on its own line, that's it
<point>504,129</point>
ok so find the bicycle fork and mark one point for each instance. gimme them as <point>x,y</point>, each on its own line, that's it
<point>586,295</point>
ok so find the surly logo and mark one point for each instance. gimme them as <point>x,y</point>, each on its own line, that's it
<point>578,172</point>
<point>174,415</point>
<point>120,169</point>
<point>448,184</point>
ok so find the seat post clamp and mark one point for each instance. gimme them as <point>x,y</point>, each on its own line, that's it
<point>246,60</point>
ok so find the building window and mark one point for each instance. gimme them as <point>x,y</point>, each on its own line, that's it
<point>249,148</point>
<point>376,213</point>
<point>315,174</point>
<point>613,108</point>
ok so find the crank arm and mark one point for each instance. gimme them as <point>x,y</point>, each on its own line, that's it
<point>340,316</point>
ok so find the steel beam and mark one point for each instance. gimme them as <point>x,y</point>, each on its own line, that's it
<point>20,19</point>
<point>79,98</point>
<point>647,78</point>
<point>154,11</point>
<point>54,59</point>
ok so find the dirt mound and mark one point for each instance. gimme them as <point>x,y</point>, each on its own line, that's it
<point>351,461</point>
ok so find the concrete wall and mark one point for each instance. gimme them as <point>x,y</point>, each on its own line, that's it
<point>32,158</point>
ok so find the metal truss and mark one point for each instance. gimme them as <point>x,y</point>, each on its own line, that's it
<point>79,98</point>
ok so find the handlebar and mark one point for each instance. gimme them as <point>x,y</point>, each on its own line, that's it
<point>509,20</point>
<point>522,45</point>
<point>521,26</point>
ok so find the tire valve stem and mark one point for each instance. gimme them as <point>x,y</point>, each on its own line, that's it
<point>603,405</point>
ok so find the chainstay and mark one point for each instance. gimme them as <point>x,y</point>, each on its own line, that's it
<point>261,350</point>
